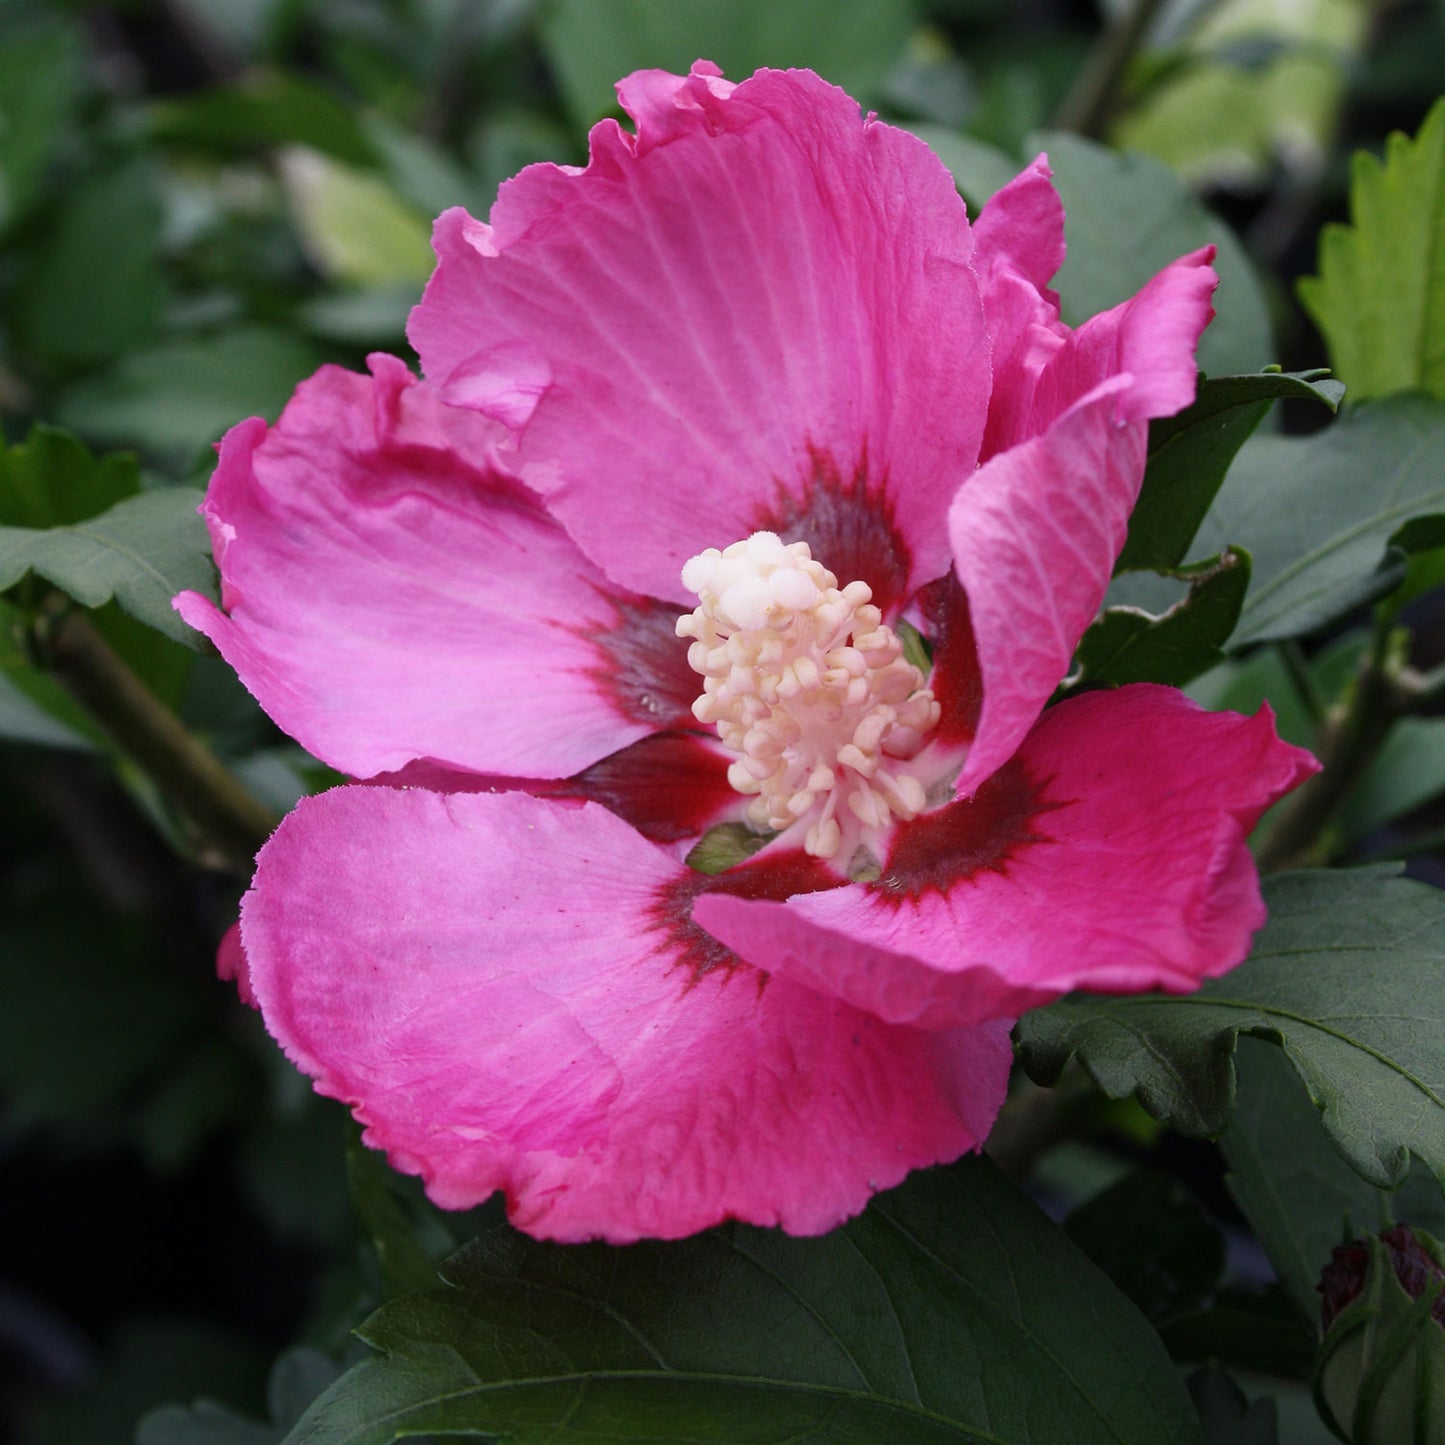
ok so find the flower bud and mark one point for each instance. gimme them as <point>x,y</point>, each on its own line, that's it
<point>1380,1371</point>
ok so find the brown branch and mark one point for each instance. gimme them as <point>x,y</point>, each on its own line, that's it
<point>229,822</point>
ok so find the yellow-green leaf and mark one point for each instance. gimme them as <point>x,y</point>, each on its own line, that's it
<point>1380,296</point>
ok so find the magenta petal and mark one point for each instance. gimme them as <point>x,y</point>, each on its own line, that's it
<point>1037,530</point>
<point>1151,339</point>
<point>1035,535</point>
<point>499,985</point>
<point>231,965</point>
<point>1018,246</point>
<point>391,595</point>
<point>1122,867</point>
<point>760,294</point>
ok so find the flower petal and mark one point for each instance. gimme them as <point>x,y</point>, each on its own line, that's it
<point>511,995</point>
<point>728,305</point>
<point>390,594</point>
<point>1035,534</point>
<point>1018,246</point>
<point>1107,858</point>
<point>1037,530</point>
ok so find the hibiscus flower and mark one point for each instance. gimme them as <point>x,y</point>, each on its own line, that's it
<point>694,622</point>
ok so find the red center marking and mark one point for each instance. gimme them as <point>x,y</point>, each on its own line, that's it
<point>669,786</point>
<point>962,839</point>
<point>774,878</point>
<point>848,525</point>
<point>643,664</point>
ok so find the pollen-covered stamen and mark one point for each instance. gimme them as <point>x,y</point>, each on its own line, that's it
<point>809,687</point>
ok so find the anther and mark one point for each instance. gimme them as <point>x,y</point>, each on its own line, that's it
<point>809,686</point>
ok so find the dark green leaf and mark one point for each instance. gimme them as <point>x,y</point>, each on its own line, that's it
<point>87,1014</point>
<point>951,1310</point>
<point>374,317</point>
<point>1149,1235</point>
<point>294,1171</point>
<point>406,1266</point>
<point>1319,514</point>
<point>1345,977</point>
<point>1406,772</point>
<point>1229,1418</point>
<point>141,552</point>
<point>1300,1197</point>
<point>40,83</point>
<point>95,287</point>
<point>1190,453</point>
<point>1246,1329</point>
<point>51,480</point>
<point>590,43</point>
<point>1243,683</point>
<point>1128,216</point>
<point>297,1378</point>
<point>180,397</point>
<point>22,720</point>
<point>204,1423</point>
<point>152,1359</point>
<point>1380,296</point>
<point>266,108</point>
<point>1127,645</point>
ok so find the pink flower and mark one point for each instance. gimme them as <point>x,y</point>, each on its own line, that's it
<point>762,321</point>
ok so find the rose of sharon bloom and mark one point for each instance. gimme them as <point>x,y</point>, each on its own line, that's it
<point>749,484</point>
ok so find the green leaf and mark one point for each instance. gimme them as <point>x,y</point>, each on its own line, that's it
<point>34,706</point>
<point>1380,296</point>
<point>22,720</point>
<point>1190,453</point>
<point>1149,1235</point>
<point>178,398</point>
<point>95,287</point>
<point>950,1310</point>
<point>41,77</point>
<point>297,1378</point>
<point>81,523</point>
<point>1319,514</point>
<point>90,1014</point>
<point>1258,89</point>
<point>1345,977</point>
<point>354,227</point>
<point>146,1360</point>
<point>724,845</point>
<point>1229,1418</point>
<point>1248,1329</point>
<point>266,108</point>
<point>1407,772</point>
<point>590,43</point>
<point>406,1266</point>
<point>374,318</point>
<point>1127,645</point>
<point>142,551</point>
<point>50,479</point>
<point>1300,1197</point>
<point>1127,217</point>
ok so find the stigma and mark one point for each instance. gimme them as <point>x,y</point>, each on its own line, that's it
<point>810,688</point>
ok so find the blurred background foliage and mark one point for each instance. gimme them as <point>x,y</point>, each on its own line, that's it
<point>203,200</point>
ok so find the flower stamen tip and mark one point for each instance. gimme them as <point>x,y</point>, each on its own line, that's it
<point>810,687</point>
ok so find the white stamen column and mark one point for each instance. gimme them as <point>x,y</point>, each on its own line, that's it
<point>809,687</point>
